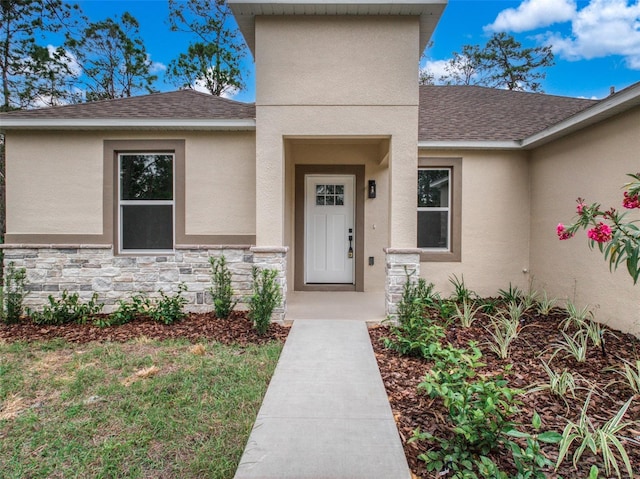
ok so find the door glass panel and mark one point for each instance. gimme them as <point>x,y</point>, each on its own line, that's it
<point>329,195</point>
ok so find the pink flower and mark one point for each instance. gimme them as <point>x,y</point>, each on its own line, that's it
<point>601,233</point>
<point>562,232</point>
<point>630,202</point>
<point>581,206</point>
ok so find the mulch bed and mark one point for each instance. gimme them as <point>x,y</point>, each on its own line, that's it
<point>412,409</point>
<point>195,327</point>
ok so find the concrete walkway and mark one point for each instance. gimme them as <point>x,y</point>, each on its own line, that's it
<point>326,414</point>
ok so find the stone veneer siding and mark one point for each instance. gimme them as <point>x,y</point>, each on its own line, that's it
<point>88,269</point>
<point>399,264</point>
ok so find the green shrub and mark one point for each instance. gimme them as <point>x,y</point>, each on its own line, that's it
<point>68,309</point>
<point>221,290</point>
<point>415,333</point>
<point>479,412</point>
<point>13,294</point>
<point>265,298</point>
<point>461,292</point>
<point>126,312</point>
<point>168,309</point>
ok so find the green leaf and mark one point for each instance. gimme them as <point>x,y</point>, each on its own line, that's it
<point>550,437</point>
<point>536,422</point>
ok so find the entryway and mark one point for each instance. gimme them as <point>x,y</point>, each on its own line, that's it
<point>329,228</point>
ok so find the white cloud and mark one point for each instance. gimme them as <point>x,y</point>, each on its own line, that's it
<point>437,68</point>
<point>604,27</point>
<point>155,67</point>
<point>533,14</point>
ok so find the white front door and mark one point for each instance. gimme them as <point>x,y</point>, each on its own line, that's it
<point>329,229</point>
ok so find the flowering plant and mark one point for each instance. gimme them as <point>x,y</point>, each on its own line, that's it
<point>617,238</point>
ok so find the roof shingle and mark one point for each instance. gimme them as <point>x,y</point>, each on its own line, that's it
<point>474,113</point>
<point>176,105</point>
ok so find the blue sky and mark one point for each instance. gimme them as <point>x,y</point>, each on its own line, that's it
<point>596,42</point>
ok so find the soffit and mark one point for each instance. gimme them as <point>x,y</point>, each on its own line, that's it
<point>429,12</point>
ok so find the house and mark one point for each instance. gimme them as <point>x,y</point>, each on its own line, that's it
<point>319,178</point>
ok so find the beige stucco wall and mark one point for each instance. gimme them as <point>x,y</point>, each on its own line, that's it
<point>333,60</point>
<point>220,190</point>
<point>591,164</point>
<point>368,153</point>
<point>55,181</point>
<point>495,223</point>
<point>335,77</point>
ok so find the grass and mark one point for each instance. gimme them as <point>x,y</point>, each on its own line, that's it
<point>140,409</point>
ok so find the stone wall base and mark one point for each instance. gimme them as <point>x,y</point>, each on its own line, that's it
<point>400,265</point>
<point>86,269</point>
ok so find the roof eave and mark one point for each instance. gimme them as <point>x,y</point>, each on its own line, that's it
<point>611,106</point>
<point>470,145</point>
<point>245,11</point>
<point>129,124</point>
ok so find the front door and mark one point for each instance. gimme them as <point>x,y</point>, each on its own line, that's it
<point>329,229</point>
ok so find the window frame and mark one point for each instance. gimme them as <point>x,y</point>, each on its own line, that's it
<point>121,202</point>
<point>453,252</point>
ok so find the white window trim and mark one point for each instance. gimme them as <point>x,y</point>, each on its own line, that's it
<point>440,208</point>
<point>122,203</point>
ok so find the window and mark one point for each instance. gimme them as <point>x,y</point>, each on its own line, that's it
<point>434,214</point>
<point>146,201</point>
<point>329,195</point>
<point>439,201</point>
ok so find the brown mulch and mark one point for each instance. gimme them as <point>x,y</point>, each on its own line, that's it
<point>413,409</point>
<point>195,327</point>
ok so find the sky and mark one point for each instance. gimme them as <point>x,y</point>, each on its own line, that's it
<point>596,42</point>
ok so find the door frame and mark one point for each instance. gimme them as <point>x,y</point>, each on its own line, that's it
<point>299,238</point>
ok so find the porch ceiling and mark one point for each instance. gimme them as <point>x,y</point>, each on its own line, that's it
<point>429,12</point>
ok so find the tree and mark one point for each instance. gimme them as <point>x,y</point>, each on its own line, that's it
<point>113,58</point>
<point>505,64</point>
<point>502,63</point>
<point>213,59</point>
<point>32,73</point>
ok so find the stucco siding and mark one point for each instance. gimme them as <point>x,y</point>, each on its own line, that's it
<point>335,60</point>
<point>54,183</point>
<point>590,164</point>
<point>220,184</point>
<point>279,123</point>
<point>495,223</point>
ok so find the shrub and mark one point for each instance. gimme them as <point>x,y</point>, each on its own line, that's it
<point>467,313</point>
<point>461,292</point>
<point>479,414</point>
<point>265,298</point>
<point>600,440</point>
<point>221,290</point>
<point>13,294</point>
<point>416,333</point>
<point>68,309</point>
<point>168,309</point>
<point>126,312</point>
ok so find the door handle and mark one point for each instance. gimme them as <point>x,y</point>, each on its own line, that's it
<point>350,254</point>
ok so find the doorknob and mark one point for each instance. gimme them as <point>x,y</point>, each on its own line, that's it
<point>350,254</point>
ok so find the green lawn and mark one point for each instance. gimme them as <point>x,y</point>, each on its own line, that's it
<point>139,409</point>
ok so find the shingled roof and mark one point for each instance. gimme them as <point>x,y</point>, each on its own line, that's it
<point>474,113</point>
<point>176,105</point>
